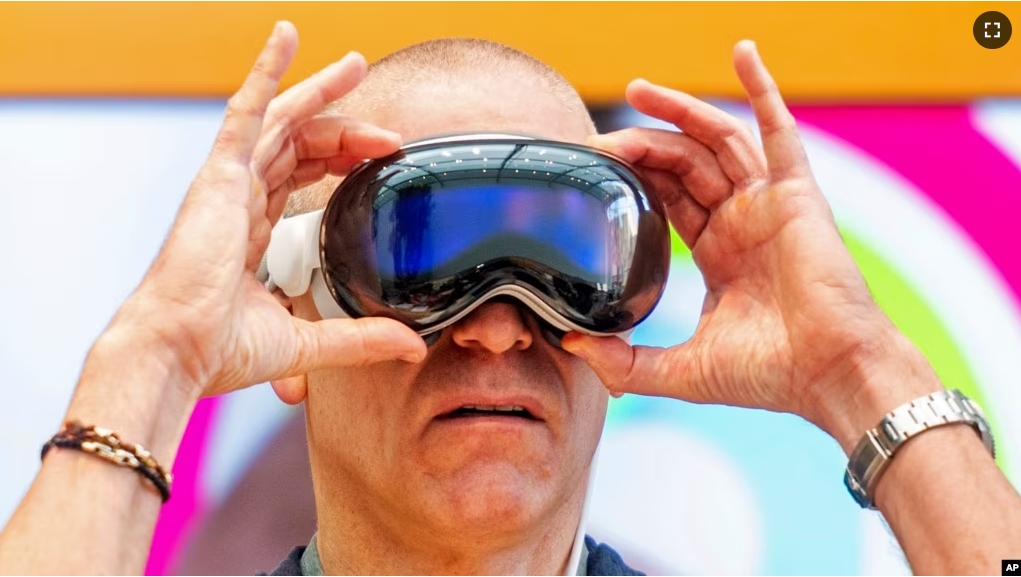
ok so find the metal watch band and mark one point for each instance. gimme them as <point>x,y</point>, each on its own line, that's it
<point>873,454</point>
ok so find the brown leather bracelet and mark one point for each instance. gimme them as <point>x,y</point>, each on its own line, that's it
<point>107,445</point>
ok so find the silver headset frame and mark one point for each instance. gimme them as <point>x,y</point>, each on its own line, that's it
<point>292,263</point>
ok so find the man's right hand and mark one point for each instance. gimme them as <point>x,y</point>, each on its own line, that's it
<point>200,323</point>
<point>200,304</point>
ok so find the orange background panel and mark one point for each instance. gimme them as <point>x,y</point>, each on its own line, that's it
<point>817,51</point>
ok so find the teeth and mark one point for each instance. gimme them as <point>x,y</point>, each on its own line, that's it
<point>502,408</point>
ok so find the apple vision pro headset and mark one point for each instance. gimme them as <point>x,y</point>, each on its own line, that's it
<point>429,233</point>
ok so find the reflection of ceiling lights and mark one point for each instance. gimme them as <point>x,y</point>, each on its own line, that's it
<point>463,165</point>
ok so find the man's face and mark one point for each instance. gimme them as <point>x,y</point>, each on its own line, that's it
<point>382,437</point>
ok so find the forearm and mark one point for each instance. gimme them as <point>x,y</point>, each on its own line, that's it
<point>952,510</point>
<point>83,515</point>
<point>950,507</point>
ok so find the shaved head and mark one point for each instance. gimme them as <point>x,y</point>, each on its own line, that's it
<point>457,64</point>
<point>458,85</point>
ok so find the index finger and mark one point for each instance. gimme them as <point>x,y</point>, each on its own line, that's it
<point>246,109</point>
<point>739,155</point>
<point>785,155</point>
<point>305,100</point>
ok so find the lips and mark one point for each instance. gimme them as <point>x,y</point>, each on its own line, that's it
<point>517,407</point>
<point>516,411</point>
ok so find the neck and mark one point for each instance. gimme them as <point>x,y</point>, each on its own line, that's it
<point>359,540</point>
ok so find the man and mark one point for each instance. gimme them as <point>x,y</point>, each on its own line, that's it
<point>788,325</point>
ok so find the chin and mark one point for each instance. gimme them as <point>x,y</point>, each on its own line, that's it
<point>490,498</point>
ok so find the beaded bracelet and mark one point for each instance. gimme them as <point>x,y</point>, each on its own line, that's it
<point>107,445</point>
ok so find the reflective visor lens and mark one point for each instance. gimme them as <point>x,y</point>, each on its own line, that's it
<point>424,234</point>
<point>438,231</point>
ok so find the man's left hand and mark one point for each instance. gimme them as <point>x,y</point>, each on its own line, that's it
<point>788,323</point>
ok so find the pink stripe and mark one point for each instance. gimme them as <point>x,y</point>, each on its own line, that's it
<point>941,153</point>
<point>186,505</point>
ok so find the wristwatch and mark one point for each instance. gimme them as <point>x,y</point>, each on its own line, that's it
<point>873,454</point>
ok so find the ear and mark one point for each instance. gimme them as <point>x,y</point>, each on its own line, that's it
<point>291,390</point>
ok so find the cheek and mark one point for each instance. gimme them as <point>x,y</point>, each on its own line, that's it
<point>354,414</point>
<point>590,404</point>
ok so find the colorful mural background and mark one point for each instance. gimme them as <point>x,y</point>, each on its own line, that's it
<point>928,197</point>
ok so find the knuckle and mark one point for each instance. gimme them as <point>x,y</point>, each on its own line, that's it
<point>754,181</point>
<point>222,170</point>
<point>631,374</point>
<point>300,145</point>
<point>357,343</point>
<point>770,87</point>
<point>306,351</point>
<point>263,68</point>
<point>730,135</point>
<point>345,131</point>
<point>229,138</point>
<point>219,174</point>
<point>237,104</point>
<point>701,156</point>
<point>321,91</point>
<point>260,231</point>
<point>779,124</point>
<point>280,119</point>
<point>240,104</point>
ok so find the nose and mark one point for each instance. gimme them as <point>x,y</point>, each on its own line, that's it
<point>496,327</point>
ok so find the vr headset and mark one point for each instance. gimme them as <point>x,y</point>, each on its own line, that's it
<point>431,232</point>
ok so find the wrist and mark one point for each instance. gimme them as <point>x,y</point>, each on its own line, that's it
<point>132,383</point>
<point>887,372</point>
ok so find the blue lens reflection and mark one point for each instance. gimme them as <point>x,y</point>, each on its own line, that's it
<point>435,232</point>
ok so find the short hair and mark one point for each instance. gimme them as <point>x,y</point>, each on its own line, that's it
<point>445,60</point>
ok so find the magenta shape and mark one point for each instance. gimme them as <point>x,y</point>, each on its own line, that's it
<point>938,149</point>
<point>186,505</point>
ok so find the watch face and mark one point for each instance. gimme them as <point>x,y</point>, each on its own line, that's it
<point>856,491</point>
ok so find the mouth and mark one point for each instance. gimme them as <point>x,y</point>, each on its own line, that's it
<point>497,411</point>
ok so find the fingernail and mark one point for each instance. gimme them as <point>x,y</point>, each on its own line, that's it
<point>599,141</point>
<point>381,137</point>
<point>414,358</point>
<point>576,343</point>
<point>390,134</point>
<point>353,55</point>
<point>643,81</point>
<point>577,351</point>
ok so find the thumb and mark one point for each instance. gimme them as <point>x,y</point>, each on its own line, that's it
<point>624,368</point>
<point>333,343</point>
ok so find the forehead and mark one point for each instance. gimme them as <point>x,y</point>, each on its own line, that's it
<point>493,104</point>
